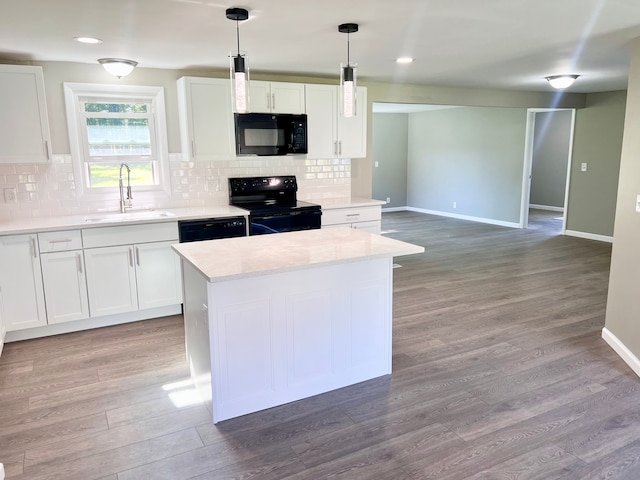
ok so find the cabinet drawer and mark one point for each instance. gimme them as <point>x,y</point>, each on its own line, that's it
<point>350,215</point>
<point>60,241</point>
<point>128,234</point>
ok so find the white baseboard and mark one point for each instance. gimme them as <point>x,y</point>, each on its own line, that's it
<point>466,217</point>
<point>89,323</point>
<point>394,209</point>
<point>589,236</point>
<point>546,207</point>
<point>619,347</point>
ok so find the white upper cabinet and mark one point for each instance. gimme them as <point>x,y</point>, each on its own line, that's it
<point>24,125</point>
<point>329,134</point>
<point>322,120</point>
<point>276,97</point>
<point>207,131</point>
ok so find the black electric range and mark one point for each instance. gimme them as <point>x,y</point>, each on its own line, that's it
<point>273,205</point>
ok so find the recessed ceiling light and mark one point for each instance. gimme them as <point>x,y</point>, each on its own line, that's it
<point>404,60</point>
<point>87,40</point>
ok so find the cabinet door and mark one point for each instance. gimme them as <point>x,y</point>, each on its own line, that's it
<point>65,286</point>
<point>21,282</point>
<point>111,280</point>
<point>206,120</point>
<point>24,125</point>
<point>287,97</point>
<point>276,97</point>
<point>321,120</point>
<point>158,275</point>
<point>352,131</point>
<point>259,96</point>
<point>3,327</point>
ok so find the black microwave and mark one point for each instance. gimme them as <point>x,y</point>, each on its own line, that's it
<point>270,133</point>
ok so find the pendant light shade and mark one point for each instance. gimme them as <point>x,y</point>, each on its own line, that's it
<point>239,68</point>
<point>118,67</point>
<point>561,81</point>
<point>348,76</point>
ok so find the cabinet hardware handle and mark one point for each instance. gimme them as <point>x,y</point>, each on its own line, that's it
<point>34,251</point>
<point>60,240</point>
<point>353,214</point>
<point>335,148</point>
<point>46,147</point>
<point>131,256</point>
<point>340,147</point>
<point>193,149</point>
<point>273,101</point>
<point>137,256</point>
<point>79,259</point>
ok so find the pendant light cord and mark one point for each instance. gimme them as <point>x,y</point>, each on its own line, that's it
<point>238,35</point>
<point>348,48</point>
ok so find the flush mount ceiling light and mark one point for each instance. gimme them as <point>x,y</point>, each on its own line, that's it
<point>561,81</point>
<point>239,69</point>
<point>92,40</point>
<point>118,67</point>
<point>404,60</point>
<point>348,75</point>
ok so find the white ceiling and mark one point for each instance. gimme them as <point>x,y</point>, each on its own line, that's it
<point>509,44</point>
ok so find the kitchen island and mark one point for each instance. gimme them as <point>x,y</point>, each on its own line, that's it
<point>271,319</point>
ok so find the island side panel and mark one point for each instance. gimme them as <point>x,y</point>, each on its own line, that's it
<point>196,329</point>
<point>282,337</point>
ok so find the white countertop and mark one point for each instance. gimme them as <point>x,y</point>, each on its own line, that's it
<point>91,220</point>
<point>235,258</point>
<point>104,219</point>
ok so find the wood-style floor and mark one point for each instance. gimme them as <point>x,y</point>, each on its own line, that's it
<point>499,373</point>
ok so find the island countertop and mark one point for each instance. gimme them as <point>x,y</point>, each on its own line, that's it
<point>242,257</point>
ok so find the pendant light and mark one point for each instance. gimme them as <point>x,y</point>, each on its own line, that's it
<point>239,68</point>
<point>348,76</point>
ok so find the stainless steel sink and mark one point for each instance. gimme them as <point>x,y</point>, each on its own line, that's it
<point>129,216</point>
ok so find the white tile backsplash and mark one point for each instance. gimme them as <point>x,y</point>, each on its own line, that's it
<point>50,189</point>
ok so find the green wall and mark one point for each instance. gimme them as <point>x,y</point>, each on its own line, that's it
<point>470,156</point>
<point>389,149</point>
<point>598,143</point>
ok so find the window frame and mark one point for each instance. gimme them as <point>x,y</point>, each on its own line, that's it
<point>75,95</point>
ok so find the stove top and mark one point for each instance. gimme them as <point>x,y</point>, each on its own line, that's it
<point>277,206</point>
<point>268,195</point>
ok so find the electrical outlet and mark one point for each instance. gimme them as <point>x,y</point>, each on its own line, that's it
<point>388,199</point>
<point>11,195</point>
<point>583,167</point>
<point>455,205</point>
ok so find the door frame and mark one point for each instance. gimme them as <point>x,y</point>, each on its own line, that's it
<point>528,164</point>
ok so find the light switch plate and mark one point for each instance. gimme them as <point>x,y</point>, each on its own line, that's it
<point>583,167</point>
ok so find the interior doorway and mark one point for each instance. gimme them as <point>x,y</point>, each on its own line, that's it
<point>547,165</point>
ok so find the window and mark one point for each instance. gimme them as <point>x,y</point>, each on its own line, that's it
<point>110,125</point>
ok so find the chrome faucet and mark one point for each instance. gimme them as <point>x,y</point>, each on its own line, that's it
<point>125,202</point>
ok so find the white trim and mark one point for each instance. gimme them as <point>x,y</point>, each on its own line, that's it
<point>72,93</point>
<point>627,355</point>
<point>589,236</point>
<point>395,209</point>
<point>546,207</point>
<point>466,217</point>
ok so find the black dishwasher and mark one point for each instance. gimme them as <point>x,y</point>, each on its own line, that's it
<point>211,228</point>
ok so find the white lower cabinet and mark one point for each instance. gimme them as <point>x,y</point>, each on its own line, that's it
<point>368,218</point>
<point>158,275</point>
<point>65,286</point>
<point>111,280</point>
<point>21,290</point>
<point>135,276</point>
